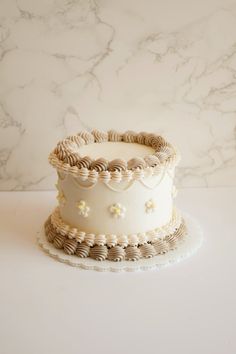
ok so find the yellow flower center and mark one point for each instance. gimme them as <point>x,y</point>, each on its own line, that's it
<point>81,205</point>
<point>116,210</point>
<point>150,204</point>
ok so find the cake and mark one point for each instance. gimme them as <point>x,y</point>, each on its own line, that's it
<point>115,196</point>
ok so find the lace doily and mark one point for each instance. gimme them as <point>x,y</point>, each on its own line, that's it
<point>190,245</point>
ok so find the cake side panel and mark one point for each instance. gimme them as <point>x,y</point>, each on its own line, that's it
<point>117,208</point>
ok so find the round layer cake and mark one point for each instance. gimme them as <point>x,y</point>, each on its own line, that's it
<point>115,195</point>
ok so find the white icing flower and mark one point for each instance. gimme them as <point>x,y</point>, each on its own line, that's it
<point>150,206</point>
<point>117,210</point>
<point>174,192</point>
<point>61,198</point>
<point>83,208</point>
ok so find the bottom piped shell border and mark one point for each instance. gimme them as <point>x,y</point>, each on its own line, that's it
<point>115,253</point>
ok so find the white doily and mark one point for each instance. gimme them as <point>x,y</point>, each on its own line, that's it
<point>190,245</point>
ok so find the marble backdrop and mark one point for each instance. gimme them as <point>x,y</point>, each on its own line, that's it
<point>157,65</point>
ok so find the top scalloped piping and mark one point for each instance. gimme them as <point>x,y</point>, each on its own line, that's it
<point>80,184</point>
<point>129,184</point>
<point>157,183</point>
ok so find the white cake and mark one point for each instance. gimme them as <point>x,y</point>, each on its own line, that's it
<point>115,194</point>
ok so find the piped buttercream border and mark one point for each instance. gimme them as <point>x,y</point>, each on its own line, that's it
<point>66,158</point>
<point>112,239</point>
<point>116,252</point>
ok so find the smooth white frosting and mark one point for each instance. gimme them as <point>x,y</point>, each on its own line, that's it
<point>99,198</point>
<point>114,150</point>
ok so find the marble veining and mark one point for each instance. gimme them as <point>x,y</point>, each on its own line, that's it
<point>161,66</point>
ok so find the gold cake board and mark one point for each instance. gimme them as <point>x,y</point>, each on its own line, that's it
<point>186,249</point>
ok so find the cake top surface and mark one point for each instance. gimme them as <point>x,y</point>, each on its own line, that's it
<point>115,150</point>
<point>111,154</point>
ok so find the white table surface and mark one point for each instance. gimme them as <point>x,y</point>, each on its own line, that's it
<point>47,307</point>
